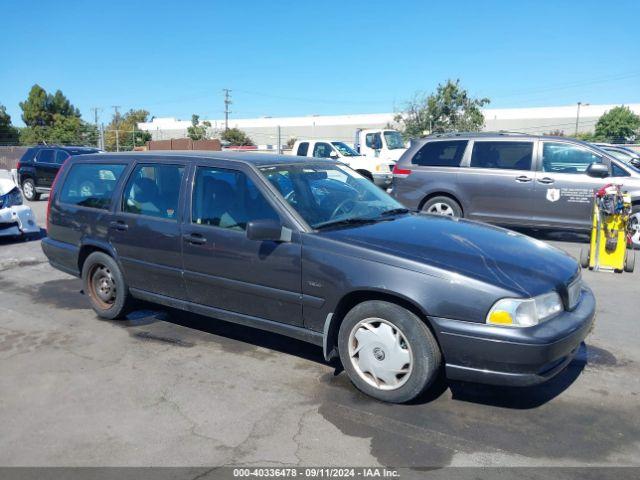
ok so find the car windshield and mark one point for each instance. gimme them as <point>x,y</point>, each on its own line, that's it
<point>331,194</point>
<point>345,150</point>
<point>394,140</point>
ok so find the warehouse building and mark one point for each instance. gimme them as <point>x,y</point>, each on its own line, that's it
<point>264,131</point>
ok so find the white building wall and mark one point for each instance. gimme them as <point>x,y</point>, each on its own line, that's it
<point>263,131</point>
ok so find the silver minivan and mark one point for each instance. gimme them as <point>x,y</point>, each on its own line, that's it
<point>511,179</point>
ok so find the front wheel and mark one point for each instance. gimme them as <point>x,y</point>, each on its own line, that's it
<point>388,352</point>
<point>104,284</point>
<point>629,261</point>
<point>443,206</point>
<point>634,227</point>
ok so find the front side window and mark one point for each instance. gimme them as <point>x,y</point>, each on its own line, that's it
<point>326,195</point>
<point>373,140</point>
<point>394,140</point>
<point>566,158</point>
<point>303,149</point>
<point>61,156</point>
<point>154,190</point>
<point>441,154</point>
<point>91,185</point>
<point>345,149</point>
<point>617,171</point>
<point>46,156</point>
<point>228,199</point>
<point>322,150</point>
<point>506,155</point>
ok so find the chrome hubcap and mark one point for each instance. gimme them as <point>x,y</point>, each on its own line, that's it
<point>441,209</point>
<point>28,189</point>
<point>380,353</point>
<point>634,227</point>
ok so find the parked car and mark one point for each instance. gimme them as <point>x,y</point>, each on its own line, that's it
<point>39,165</point>
<point>16,219</point>
<point>312,250</point>
<point>374,169</point>
<point>626,155</point>
<point>511,179</point>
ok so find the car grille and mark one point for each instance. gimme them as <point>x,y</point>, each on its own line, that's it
<point>573,293</point>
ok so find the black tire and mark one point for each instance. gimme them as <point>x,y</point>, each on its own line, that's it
<point>443,206</point>
<point>423,349</point>
<point>584,257</point>
<point>30,191</point>
<point>635,240</point>
<point>629,261</point>
<point>100,267</point>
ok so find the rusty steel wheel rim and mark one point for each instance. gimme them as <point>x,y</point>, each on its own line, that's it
<point>102,286</point>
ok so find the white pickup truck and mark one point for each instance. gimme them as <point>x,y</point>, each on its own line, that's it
<point>374,169</point>
<point>384,144</point>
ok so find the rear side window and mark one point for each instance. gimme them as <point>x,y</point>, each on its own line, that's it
<point>28,155</point>
<point>154,190</point>
<point>46,156</point>
<point>303,149</point>
<point>506,155</point>
<point>91,185</point>
<point>441,154</point>
<point>61,156</point>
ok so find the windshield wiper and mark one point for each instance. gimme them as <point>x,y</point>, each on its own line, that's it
<point>343,222</point>
<point>394,211</point>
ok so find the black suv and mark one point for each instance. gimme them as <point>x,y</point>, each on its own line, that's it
<point>311,249</point>
<point>39,165</point>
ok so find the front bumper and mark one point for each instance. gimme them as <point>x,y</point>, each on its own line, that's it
<point>382,180</point>
<point>17,220</point>
<point>496,355</point>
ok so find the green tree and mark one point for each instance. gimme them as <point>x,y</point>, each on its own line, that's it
<point>291,142</point>
<point>619,124</point>
<point>449,109</point>
<point>35,109</point>
<point>236,137</point>
<point>8,133</point>
<point>60,105</point>
<point>128,135</point>
<point>198,129</point>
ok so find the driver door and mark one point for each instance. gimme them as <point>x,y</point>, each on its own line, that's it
<point>563,190</point>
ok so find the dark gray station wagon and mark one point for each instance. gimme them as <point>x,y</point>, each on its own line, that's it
<point>313,250</point>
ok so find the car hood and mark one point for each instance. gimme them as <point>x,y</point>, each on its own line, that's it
<point>6,183</point>
<point>490,254</point>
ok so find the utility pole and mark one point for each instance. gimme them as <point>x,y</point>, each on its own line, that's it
<point>279,141</point>
<point>227,102</point>
<point>95,121</point>
<point>578,115</point>
<point>116,118</point>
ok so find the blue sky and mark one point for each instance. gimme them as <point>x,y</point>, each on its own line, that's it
<point>315,57</point>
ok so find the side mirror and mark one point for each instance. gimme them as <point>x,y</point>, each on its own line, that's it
<point>268,230</point>
<point>334,155</point>
<point>598,170</point>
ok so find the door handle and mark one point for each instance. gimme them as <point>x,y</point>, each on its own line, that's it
<point>194,238</point>
<point>523,179</point>
<point>119,225</point>
<point>546,180</point>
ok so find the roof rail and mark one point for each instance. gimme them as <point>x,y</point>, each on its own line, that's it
<point>476,134</point>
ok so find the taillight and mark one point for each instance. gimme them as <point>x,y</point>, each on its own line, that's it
<point>18,165</point>
<point>401,172</point>
<point>51,193</point>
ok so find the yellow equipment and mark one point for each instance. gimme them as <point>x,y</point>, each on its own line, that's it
<point>608,248</point>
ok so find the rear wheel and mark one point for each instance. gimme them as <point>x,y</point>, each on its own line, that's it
<point>104,284</point>
<point>584,257</point>
<point>445,206</point>
<point>388,352</point>
<point>29,190</point>
<point>634,226</point>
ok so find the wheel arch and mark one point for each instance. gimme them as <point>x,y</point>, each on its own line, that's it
<point>355,297</point>
<point>90,246</point>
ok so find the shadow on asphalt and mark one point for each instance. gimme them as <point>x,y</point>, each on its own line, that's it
<point>244,338</point>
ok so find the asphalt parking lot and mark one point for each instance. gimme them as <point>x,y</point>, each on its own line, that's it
<point>170,388</point>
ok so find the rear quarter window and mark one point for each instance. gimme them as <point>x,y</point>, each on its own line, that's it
<point>440,154</point>
<point>91,185</point>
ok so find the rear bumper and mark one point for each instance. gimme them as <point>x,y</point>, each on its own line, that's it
<point>514,356</point>
<point>62,256</point>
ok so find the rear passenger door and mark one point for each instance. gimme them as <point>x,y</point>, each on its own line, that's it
<point>45,167</point>
<point>497,181</point>
<point>146,230</point>
<point>223,269</point>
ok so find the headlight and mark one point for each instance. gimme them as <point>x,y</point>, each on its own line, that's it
<point>514,312</point>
